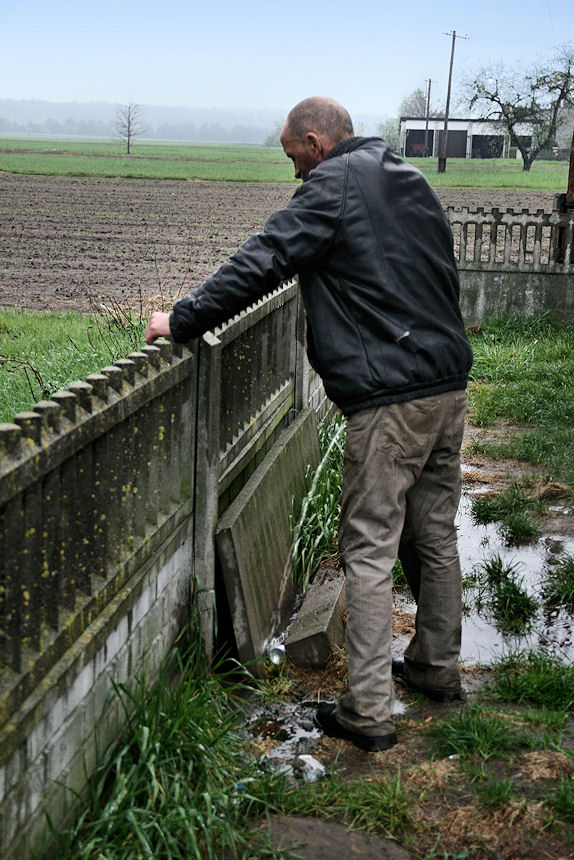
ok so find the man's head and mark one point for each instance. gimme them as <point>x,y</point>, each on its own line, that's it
<point>311,130</point>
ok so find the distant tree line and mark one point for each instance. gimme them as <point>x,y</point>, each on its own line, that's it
<point>208,131</point>
<point>85,127</point>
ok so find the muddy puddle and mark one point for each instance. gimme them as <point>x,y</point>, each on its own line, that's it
<point>552,631</point>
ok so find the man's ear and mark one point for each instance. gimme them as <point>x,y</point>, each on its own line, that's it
<point>314,143</point>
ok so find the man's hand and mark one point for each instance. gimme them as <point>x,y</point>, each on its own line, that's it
<point>157,326</point>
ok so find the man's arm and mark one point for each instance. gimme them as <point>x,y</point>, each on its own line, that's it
<point>294,238</point>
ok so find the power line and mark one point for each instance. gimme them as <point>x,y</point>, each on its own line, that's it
<point>509,41</point>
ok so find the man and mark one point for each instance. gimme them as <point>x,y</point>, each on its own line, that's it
<point>373,251</point>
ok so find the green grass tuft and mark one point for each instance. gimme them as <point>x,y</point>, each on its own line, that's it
<point>512,508</point>
<point>374,806</point>
<point>535,679</point>
<point>558,590</point>
<point>474,731</point>
<point>561,800</point>
<point>500,591</point>
<point>494,793</point>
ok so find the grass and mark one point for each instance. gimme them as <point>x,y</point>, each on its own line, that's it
<point>500,591</point>
<point>531,678</point>
<point>43,352</point>
<point>315,531</point>
<point>475,731</point>
<point>512,607</point>
<point>374,806</point>
<point>517,362</point>
<point>494,173</point>
<point>559,585</point>
<point>512,509</point>
<point>495,793</point>
<point>223,162</point>
<point>247,163</point>
<point>561,800</point>
<point>181,782</point>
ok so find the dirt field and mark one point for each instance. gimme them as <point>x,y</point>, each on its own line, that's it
<point>65,241</point>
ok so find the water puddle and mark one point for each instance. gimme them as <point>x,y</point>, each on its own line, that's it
<point>551,631</point>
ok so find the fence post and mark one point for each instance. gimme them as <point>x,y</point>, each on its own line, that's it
<point>300,363</point>
<point>207,482</point>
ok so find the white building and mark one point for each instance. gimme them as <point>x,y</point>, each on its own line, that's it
<point>467,138</point>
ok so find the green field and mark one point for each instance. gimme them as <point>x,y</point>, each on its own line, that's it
<point>223,162</point>
<point>42,352</point>
<point>241,163</point>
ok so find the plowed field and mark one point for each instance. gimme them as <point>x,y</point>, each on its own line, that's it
<point>65,241</point>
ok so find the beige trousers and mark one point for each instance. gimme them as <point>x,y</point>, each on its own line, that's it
<point>401,489</point>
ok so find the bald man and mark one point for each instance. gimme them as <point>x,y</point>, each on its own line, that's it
<point>373,251</point>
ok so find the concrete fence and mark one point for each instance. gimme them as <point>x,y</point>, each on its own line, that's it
<point>514,262</point>
<point>110,494</point>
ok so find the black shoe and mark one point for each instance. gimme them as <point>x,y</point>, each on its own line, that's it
<point>326,720</point>
<point>455,695</point>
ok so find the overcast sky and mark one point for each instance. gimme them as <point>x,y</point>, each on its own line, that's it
<point>262,54</point>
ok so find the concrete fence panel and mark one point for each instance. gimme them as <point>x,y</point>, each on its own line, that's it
<point>514,262</point>
<point>110,494</point>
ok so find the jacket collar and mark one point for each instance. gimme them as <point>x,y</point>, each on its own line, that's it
<point>348,145</point>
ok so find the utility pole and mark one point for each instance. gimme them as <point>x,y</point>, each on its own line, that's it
<point>426,149</point>
<point>570,189</point>
<point>442,156</point>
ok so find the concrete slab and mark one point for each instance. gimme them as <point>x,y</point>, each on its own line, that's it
<point>253,540</point>
<point>318,627</point>
<point>311,839</point>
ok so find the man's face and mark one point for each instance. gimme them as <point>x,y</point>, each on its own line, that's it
<point>305,154</point>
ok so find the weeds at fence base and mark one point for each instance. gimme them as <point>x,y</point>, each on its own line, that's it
<point>187,781</point>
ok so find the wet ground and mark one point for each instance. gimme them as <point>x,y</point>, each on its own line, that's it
<point>551,631</point>
<point>482,641</point>
<point>286,740</point>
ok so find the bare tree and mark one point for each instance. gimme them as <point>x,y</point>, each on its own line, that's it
<point>129,123</point>
<point>536,98</point>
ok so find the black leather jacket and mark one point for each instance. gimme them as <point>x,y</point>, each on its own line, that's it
<point>373,250</point>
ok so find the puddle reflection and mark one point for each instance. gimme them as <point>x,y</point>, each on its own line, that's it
<point>551,631</point>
